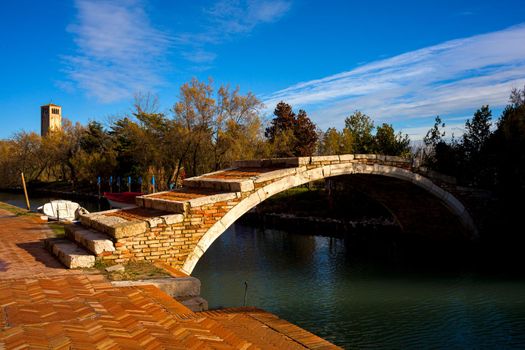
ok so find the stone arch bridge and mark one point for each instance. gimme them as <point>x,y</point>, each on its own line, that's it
<point>177,227</point>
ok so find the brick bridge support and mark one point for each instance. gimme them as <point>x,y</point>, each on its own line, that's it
<point>177,227</point>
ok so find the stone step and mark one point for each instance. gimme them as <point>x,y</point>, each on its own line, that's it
<point>94,241</point>
<point>167,201</point>
<point>228,185</point>
<point>113,226</point>
<point>69,253</point>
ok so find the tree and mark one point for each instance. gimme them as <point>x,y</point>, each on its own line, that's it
<point>431,140</point>
<point>435,134</point>
<point>473,147</point>
<point>66,146</point>
<point>506,148</point>
<point>295,132</point>
<point>388,143</point>
<point>477,132</point>
<point>306,135</point>
<point>335,142</point>
<point>22,153</point>
<point>237,127</point>
<point>95,156</point>
<point>347,142</point>
<point>360,127</point>
<point>125,141</point>
<point>284,120</point>
<point>215,129</point>
<point>331,142</point>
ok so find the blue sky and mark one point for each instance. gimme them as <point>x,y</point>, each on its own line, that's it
<point>402,62</point>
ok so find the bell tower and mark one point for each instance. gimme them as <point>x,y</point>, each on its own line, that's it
<point>50,118</point>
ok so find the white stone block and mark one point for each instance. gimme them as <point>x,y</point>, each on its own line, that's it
<point>153,222</point>
<point>271,175</point>
<point>346,157</point>
<point>173,218</point>
<point>318,159</point>
<point>327,171</point>
<point>315,174</point>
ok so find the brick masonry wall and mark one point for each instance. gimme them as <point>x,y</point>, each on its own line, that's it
<point>169,243</point>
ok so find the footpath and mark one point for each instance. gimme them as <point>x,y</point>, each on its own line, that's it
<point>43,305</point>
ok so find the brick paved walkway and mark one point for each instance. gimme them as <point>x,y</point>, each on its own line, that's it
<point>22,252</point>
<point>44,306</point>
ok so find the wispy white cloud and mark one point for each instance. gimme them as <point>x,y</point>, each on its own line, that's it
<point>236,16</point>
<point>199,56</point>
<point>226,19</point>
<point>118,50</point>
<point>445,79</point>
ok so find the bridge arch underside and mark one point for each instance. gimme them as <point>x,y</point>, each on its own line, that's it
<point>418,205</point>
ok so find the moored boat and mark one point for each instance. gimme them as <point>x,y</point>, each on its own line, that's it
<point>122,200</point>
<point>61,210</point>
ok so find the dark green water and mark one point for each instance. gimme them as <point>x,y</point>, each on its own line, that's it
<point>359,303</point>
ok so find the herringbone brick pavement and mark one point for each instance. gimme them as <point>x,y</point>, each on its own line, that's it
<point>86,312</point>
<point>22,252</point>
<point>45,306</point>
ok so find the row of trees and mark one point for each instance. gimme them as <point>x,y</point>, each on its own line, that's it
<point>293,134</point>
<point>205,130</point>
<point>358,137</point>
<point>488,155</point>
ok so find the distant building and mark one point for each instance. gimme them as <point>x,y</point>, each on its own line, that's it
<point>50,118</point>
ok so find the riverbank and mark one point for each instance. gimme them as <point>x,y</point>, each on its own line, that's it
<point>45,304</point>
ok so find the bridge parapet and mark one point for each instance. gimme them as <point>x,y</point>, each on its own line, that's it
<point>322,160</point>
<point>178,226</point>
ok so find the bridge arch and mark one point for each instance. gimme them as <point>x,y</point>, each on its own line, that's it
<point>292,177</point>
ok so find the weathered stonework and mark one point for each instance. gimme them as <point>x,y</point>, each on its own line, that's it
<point>167,238</point>
<point>178,227</point>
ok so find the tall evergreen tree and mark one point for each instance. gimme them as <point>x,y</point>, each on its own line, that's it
<point>295,134</point>
<point>477,132</point>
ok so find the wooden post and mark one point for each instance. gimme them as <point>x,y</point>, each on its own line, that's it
<point>25,191</point>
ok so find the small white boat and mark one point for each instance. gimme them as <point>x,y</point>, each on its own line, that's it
<point>61,210</point>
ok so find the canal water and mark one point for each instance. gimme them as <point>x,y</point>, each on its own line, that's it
<point>362,303</point>
<point>359,300</point>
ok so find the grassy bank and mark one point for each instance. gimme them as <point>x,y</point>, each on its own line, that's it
<point>14,209</point>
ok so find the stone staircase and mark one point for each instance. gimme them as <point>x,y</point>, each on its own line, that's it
<point>97,233</point>
<point>80,246</point>
<point>69,253</point>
